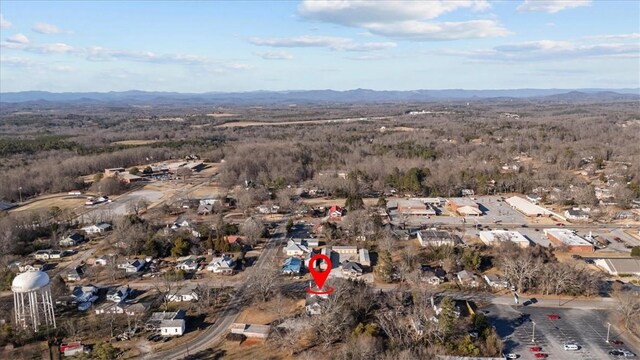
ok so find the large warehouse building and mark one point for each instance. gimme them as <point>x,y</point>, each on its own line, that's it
<point>620,266</point>
<point>568,239</point>
<point>530,209</point>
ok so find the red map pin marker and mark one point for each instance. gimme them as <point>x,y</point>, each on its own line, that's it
<point>320,277</point>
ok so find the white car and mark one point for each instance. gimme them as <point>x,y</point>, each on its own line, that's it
<point>511,356</point>
<point>571,347</point>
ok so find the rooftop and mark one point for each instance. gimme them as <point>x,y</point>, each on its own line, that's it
<point>568,237</point>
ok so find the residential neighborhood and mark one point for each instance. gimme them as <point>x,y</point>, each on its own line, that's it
<point>345,179</point>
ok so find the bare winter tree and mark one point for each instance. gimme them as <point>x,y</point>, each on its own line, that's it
<point>252,229</point>
<point>520,269</point>
<point>264,282</point>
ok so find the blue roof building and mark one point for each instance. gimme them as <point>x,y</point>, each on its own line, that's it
<point>292,266</point>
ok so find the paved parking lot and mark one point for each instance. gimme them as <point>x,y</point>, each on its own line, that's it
<point>494,211</point>
<point>587,328</point>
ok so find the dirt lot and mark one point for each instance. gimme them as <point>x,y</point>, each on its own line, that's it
<point>249,349</point>
<point>266,313</point>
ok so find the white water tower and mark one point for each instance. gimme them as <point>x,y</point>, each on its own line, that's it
<point>32,302</point>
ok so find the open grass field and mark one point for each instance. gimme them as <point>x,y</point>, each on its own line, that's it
<point>62,200</point>
<point>284,123</point>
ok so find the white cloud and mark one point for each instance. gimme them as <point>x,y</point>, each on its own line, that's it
<point>18,39</point>
<point>274,55</point>
<point>44,28</point>
<point>55,48</point>
<point>333,43</point>
<point>405,20</point>
<point>632,36</point>
<point>4,23</point>
<point>550,50</point>
<point>97,53</point>
<point>551,6</point>
<point>418,30</point>
<point>360,13</point>
<point>16,61</point>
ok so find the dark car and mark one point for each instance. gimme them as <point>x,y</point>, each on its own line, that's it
<point>616,353</point>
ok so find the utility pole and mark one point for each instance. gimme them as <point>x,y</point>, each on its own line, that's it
<point>533,334</point>
<point>608,331</point>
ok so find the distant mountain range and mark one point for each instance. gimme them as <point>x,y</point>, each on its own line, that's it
<point>318,96</point>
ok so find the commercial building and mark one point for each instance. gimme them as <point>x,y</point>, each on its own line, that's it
<point>530,209</point>
<point>618,267</point>
<point>464,207</point>
<point>569,239</point>
<point>413,207</point>
<point>496,237</point>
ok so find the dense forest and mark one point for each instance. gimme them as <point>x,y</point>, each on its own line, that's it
<point>445,148</point>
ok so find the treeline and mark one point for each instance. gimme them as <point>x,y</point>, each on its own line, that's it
<point>60,171</point>
<point>31,146</point>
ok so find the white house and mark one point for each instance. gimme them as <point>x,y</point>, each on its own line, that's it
<point>97,229</point>
<point>576,214</point>
<point>534,198</point>
<point>183,294</point>
<point>437,238</point>
<point>315,303</point>
<point>221,265</point>
<point>188,265</point>
<point>72,240</point>
<point>118,294</point>
<point>102,261</point>
<point>351,269</point>
<point>496,282</point>
<point>42,254</point>
<point>295,249</point>
<point>173,327</point>
<point>121,308</point>
<point>132,266</point>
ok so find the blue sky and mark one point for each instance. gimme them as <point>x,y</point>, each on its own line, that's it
<point>241,46</point>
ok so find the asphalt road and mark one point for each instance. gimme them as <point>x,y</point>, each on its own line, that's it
<point>220,327</point>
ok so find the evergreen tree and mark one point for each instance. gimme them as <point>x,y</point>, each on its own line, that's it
<point>180,247</point>
<point>384,269</point>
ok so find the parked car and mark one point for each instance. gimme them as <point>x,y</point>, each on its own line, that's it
<point>540,355</point>
<point>616,342</point>
<point>511,356</point>
<point>615,353</point>
<point>535,348</point>
<point>571,347</point>
<point>553,316</point>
